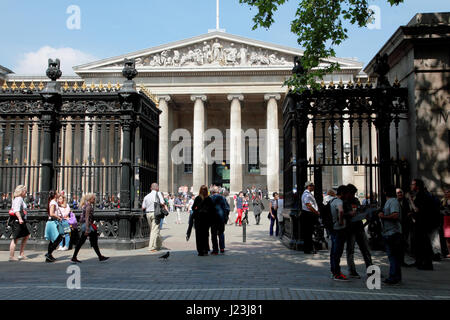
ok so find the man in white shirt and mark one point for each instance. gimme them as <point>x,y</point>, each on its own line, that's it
<point>308,217</point>
<point>148,205</point>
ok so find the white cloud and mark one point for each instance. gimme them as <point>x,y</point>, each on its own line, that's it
<point>35,63</point>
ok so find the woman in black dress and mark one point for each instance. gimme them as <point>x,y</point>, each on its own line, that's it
<point>20,229</point>
<point>203,212</point>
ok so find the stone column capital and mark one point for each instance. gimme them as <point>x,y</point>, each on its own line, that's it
<point>269,96</point>
<point>202,97</point>
<point>231,97</point>
<point>165,97</point>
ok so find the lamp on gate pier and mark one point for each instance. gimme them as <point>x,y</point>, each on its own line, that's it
<point>319,151</point>
<point>347,149</point>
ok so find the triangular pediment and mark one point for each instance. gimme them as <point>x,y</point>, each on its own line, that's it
<point>212,51</point>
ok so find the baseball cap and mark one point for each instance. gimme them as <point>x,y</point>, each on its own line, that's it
<point>308,183</point>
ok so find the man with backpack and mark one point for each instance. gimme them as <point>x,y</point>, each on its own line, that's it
<point>338,233</point>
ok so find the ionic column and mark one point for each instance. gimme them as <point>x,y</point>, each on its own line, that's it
<point>34,156</point>
<point>347,171</point>
<point>68,157</point>
<point>164,159</point>
<point>236,156</point>
<point>273,148</point>
<point>198,166</point>
<point>310,147</point>
<point>374,154</point>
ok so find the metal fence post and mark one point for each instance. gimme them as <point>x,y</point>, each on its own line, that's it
<point>244,231</point>
<point>51,104</point>
<point>127,96</point>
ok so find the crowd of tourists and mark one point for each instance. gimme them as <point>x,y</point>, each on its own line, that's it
<point>61,228</point>
<point>208,214</point>
<point>416,222</point>
<point>413,222</point>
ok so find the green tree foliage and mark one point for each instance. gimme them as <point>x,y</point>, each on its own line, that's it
<point>319,26</point>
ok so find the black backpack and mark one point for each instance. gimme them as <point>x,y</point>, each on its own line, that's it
<point>326,215</point>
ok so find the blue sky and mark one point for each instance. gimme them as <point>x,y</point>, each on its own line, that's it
<point>32,30</point>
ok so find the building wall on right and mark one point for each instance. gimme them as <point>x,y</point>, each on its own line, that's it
<point>432,107</point>
<point>419,58</point>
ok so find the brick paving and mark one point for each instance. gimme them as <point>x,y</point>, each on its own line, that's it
<point>260,269</point>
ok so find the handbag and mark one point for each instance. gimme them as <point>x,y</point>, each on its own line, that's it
<point>60,228</point>
<point>160,211</point>
<point>66,227</point>
<point>72,219</point>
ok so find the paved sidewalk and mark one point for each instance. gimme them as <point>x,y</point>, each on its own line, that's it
<point>262,269</point>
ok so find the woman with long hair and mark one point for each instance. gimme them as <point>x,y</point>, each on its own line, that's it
<point>203,213</point>
<point>88,228</point>
<point>65,213</point>
<point>19,223</point>
<point>51,229</point>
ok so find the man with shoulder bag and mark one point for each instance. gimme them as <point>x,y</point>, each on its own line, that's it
<point>155,209</point>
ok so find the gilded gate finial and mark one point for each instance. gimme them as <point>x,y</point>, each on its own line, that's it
<point>5,86</point>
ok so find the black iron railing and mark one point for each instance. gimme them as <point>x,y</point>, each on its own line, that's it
<point>78,139</point>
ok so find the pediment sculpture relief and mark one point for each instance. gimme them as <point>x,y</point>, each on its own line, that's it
<point>214,53</point>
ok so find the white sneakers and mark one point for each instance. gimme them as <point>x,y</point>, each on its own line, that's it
<point>62,249</point>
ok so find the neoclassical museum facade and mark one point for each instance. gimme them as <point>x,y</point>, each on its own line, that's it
<point>221,97</point>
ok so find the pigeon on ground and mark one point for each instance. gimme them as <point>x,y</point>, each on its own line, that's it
<point>165,256</point>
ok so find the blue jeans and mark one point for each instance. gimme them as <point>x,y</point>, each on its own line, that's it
<point>394,250</point>
<point>217,233</point>
<point>65,242</point>
<point>272,222</point>
<point>338,238</point>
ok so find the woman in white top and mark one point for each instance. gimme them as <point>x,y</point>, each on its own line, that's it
<point>51,229</point>
<point>65,213</point>
<point>19,223</point>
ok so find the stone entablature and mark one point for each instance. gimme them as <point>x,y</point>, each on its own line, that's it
<point>217,51</point>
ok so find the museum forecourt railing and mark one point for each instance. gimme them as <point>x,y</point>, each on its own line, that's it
<point>77,139</point>
<point>339,117</point>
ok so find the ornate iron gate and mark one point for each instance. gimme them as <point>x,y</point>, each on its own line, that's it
<point>101,139</point>
<point>341,132</point>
